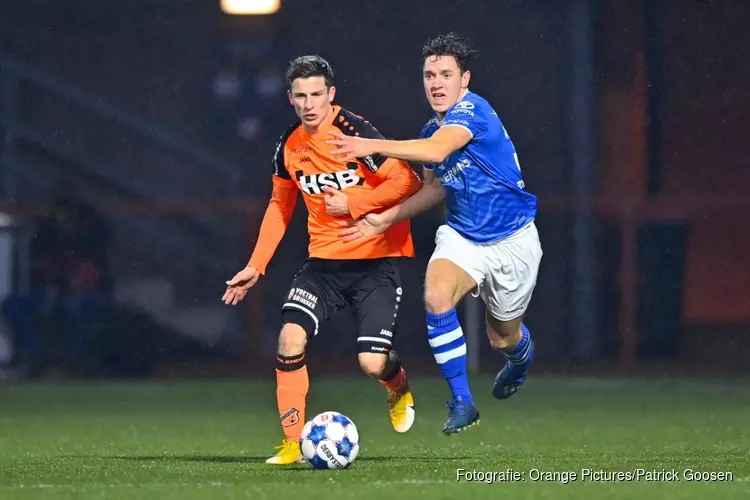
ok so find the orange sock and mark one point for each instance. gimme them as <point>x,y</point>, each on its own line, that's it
<point>292,384</point>
<point>395,380</point>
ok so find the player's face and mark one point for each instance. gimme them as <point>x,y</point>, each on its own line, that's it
<point>312,99</point>
<point>443,82</point>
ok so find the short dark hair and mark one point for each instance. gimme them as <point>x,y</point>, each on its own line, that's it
<point>307,67</point>
<point>452,44</point>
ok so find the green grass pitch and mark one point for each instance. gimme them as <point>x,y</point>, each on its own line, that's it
<point>208,439</point>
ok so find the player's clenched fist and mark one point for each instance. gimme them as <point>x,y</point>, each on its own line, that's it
<point>238,286</point>
<point>337,203</point>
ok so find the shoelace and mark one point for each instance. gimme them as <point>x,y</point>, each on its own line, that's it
<point>457,407</point>
<point>284,444</point>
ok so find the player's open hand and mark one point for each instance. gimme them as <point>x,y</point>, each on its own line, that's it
<point>368,226</point>
<point>238,286</point>
<point>350,148</point>
<point>337,203</point>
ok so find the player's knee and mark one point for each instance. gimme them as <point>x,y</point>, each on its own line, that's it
<point>373,364</point>
<point>438,298</point>
<point>292,340</point>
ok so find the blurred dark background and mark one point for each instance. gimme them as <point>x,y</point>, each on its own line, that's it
<point>135,169</point>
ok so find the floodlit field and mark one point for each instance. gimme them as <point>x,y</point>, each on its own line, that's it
<point>205,440</point>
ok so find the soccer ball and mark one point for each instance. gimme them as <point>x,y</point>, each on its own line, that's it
<point>330,441</point>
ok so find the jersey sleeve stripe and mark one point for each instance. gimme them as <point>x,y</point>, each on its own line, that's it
<point>279,165</point>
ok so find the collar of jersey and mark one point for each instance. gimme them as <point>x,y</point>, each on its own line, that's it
<point>438,121</point>
<point>325,126</point>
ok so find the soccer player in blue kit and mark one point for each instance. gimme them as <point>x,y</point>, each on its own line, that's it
<point>489,244</point>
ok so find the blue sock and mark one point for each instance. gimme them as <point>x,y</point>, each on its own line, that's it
<point>449,348</point>
<point>519,354</point>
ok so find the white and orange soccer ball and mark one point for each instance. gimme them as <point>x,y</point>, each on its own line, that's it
<point>330,441</point>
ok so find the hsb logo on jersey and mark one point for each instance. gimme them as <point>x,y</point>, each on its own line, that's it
<point>314,184</point>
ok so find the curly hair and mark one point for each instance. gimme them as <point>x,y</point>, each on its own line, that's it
<point>452,44</point>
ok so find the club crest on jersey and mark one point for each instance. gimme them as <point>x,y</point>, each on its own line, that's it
<point>342,179</point>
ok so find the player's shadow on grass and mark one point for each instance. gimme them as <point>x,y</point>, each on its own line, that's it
<point>402,458</point>
<point>250,459</point>
<point>190,458</point>
<point>386,460</point>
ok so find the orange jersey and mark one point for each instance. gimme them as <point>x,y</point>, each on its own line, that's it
<point>305,163</point>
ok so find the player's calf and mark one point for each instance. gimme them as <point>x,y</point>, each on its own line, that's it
<point>373,364</point>
<point>392,374</point>
<point>445,285</point>
<point>513,340</point>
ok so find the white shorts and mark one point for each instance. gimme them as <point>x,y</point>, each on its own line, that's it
<point>505,271</point>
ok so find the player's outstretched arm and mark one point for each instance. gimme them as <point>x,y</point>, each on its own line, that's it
<point>275,222</point>
<point>433,149</point>
<point>399,182</point>
<point>430,195</point>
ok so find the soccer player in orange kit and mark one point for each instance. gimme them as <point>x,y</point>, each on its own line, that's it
<point>362,274</point>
